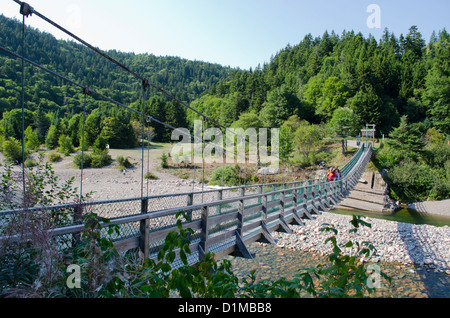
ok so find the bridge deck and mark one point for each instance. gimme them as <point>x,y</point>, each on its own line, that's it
<point>224,223</point>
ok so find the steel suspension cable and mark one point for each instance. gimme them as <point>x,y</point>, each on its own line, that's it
<point>32,10</point>
<point>85,92</point>
<point>89,91</point>
<point>24,14</point>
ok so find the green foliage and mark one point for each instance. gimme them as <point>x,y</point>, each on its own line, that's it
<point>118,132</point>
<point>334,95</point>
<point>123,163</point>
<point>407,137</point>
<point>30,163</point>
<point>65,145</point>
<point>150,176</point>
<point>280,105</point>
<point>412,181</point>
<point>307,137</point>
<point>12,150</point>
<point>82,160</point>
<point>164,163</point>
<point>231,176</point>
<point>99,144</point>
<point>52,139</point>
<point>344,122</point>
<point>54,157</point>
<point>32,139</point>
<point>12,122</point>
<point>419,170</point>
<point>100,159</point>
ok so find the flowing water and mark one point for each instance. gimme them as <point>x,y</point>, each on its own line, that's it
<point>404,215</point>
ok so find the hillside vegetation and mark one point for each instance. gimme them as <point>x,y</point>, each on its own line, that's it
<point>320,90</point>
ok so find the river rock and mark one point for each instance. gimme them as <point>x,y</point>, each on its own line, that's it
<point>424,245</point>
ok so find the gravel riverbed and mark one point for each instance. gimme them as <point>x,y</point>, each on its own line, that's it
<point>424,246</point>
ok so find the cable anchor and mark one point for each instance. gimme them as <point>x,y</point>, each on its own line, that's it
<point>26,9</point>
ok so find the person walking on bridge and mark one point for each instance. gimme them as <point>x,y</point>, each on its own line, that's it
<point>331,174</point>
<point>338,174</point>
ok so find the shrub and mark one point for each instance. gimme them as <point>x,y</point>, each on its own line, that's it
<point>411,181</point>
<point>65,145</point>
<point>100,159</point>
<point>150,176</point>
<point>86,160</point>
<point>12,150</point>
<point>123,163</point>
<point>230,176</point>
<point>164,163</point>
<point>30,163</point>
<point>54,157</point>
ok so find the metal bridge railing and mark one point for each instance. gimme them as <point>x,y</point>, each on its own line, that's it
<point>224,220</point>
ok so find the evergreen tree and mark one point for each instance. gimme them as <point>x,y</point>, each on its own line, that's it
<point>407,137</point>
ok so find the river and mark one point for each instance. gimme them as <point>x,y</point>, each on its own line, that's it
<point>404,215</point>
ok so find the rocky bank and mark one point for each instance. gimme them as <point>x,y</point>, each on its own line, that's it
<point>424,246</point>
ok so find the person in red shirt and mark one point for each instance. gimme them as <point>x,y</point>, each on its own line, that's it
<point>331,175</point>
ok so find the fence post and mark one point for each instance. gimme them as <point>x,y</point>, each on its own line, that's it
<point>204,233</point>
<point>282,197</point>
<point>219,198</point>
<point>264,208</point>
<point>260,191</point>
<point>240,217</point>
<point>77,216</point>
<point>144,225</point>
<point>190,200</point>
<point>295,201</point>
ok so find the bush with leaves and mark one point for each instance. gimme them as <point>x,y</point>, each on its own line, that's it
<point>65,145</point>
<point>229,176</point>
<point>123,162</point>
<point>54,157</point>
<point>164,163</point>
<point>12,150</point>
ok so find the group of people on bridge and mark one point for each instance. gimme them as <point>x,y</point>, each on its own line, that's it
<point>334,174</point>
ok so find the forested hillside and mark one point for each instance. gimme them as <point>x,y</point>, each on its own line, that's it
<point>380,81</point>
<point>185,79</point>
<point>322,87</point>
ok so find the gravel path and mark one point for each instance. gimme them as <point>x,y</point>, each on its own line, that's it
<point>424,246</point>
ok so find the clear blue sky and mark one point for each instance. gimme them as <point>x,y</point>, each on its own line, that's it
<point>238,33</point>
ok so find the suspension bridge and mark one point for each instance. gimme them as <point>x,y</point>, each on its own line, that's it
<point>225,220</point>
